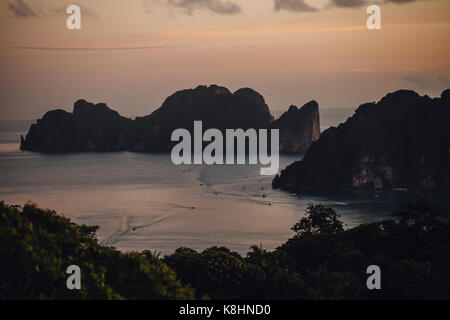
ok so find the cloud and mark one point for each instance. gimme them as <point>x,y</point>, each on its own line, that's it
<point>348,3</point>
<point>399,1</point>
<point>293,5</point>
<point>21,9</point>
<point>85,11</point>
<point>360,3</point>
<point>302,6</point>
<point>425,83</point>
<point>220,7</point>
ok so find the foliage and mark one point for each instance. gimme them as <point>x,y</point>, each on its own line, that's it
<point>321,261</point>
<point>318,219</point>
<point>422,212</point>
<point>37,246</point>
<point>219,273</point>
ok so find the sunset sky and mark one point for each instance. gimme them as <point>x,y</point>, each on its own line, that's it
<point>132,54</point>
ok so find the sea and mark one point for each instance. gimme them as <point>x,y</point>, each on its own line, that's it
<point>142,201</point>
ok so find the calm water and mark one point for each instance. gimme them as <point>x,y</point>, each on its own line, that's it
<point>143,201</point>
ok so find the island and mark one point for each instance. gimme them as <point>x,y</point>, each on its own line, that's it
<point>97,128</point>
<point>403,142</point>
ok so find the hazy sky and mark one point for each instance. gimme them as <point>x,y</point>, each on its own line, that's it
<point>132,54</point>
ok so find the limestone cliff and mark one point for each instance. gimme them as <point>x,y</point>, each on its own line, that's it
<point>403,141</point>
<point>299,127</point>
<point>97,128</point>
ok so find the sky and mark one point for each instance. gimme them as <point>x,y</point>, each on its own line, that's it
<point>132,54</point>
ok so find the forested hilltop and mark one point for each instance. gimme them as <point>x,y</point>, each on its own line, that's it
<point>402,141</point>
<point>321,261</point>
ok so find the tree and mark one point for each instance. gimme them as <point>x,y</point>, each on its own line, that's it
<point>422,213</point>
<point>319,219</point>
<point>37,246</point>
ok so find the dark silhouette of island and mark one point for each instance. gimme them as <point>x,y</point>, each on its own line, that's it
<point>403,141</point>
<point>95,127</point>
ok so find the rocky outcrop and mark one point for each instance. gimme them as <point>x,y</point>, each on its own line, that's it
<point>97,128</point>
<point>215,106</point>
<point>88,128</point>
<point>255,97</point>
<point>299,127</point>
<point>403,141</point>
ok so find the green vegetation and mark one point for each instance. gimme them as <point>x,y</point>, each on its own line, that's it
<point>321,261</point>
<point>38,245</point>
